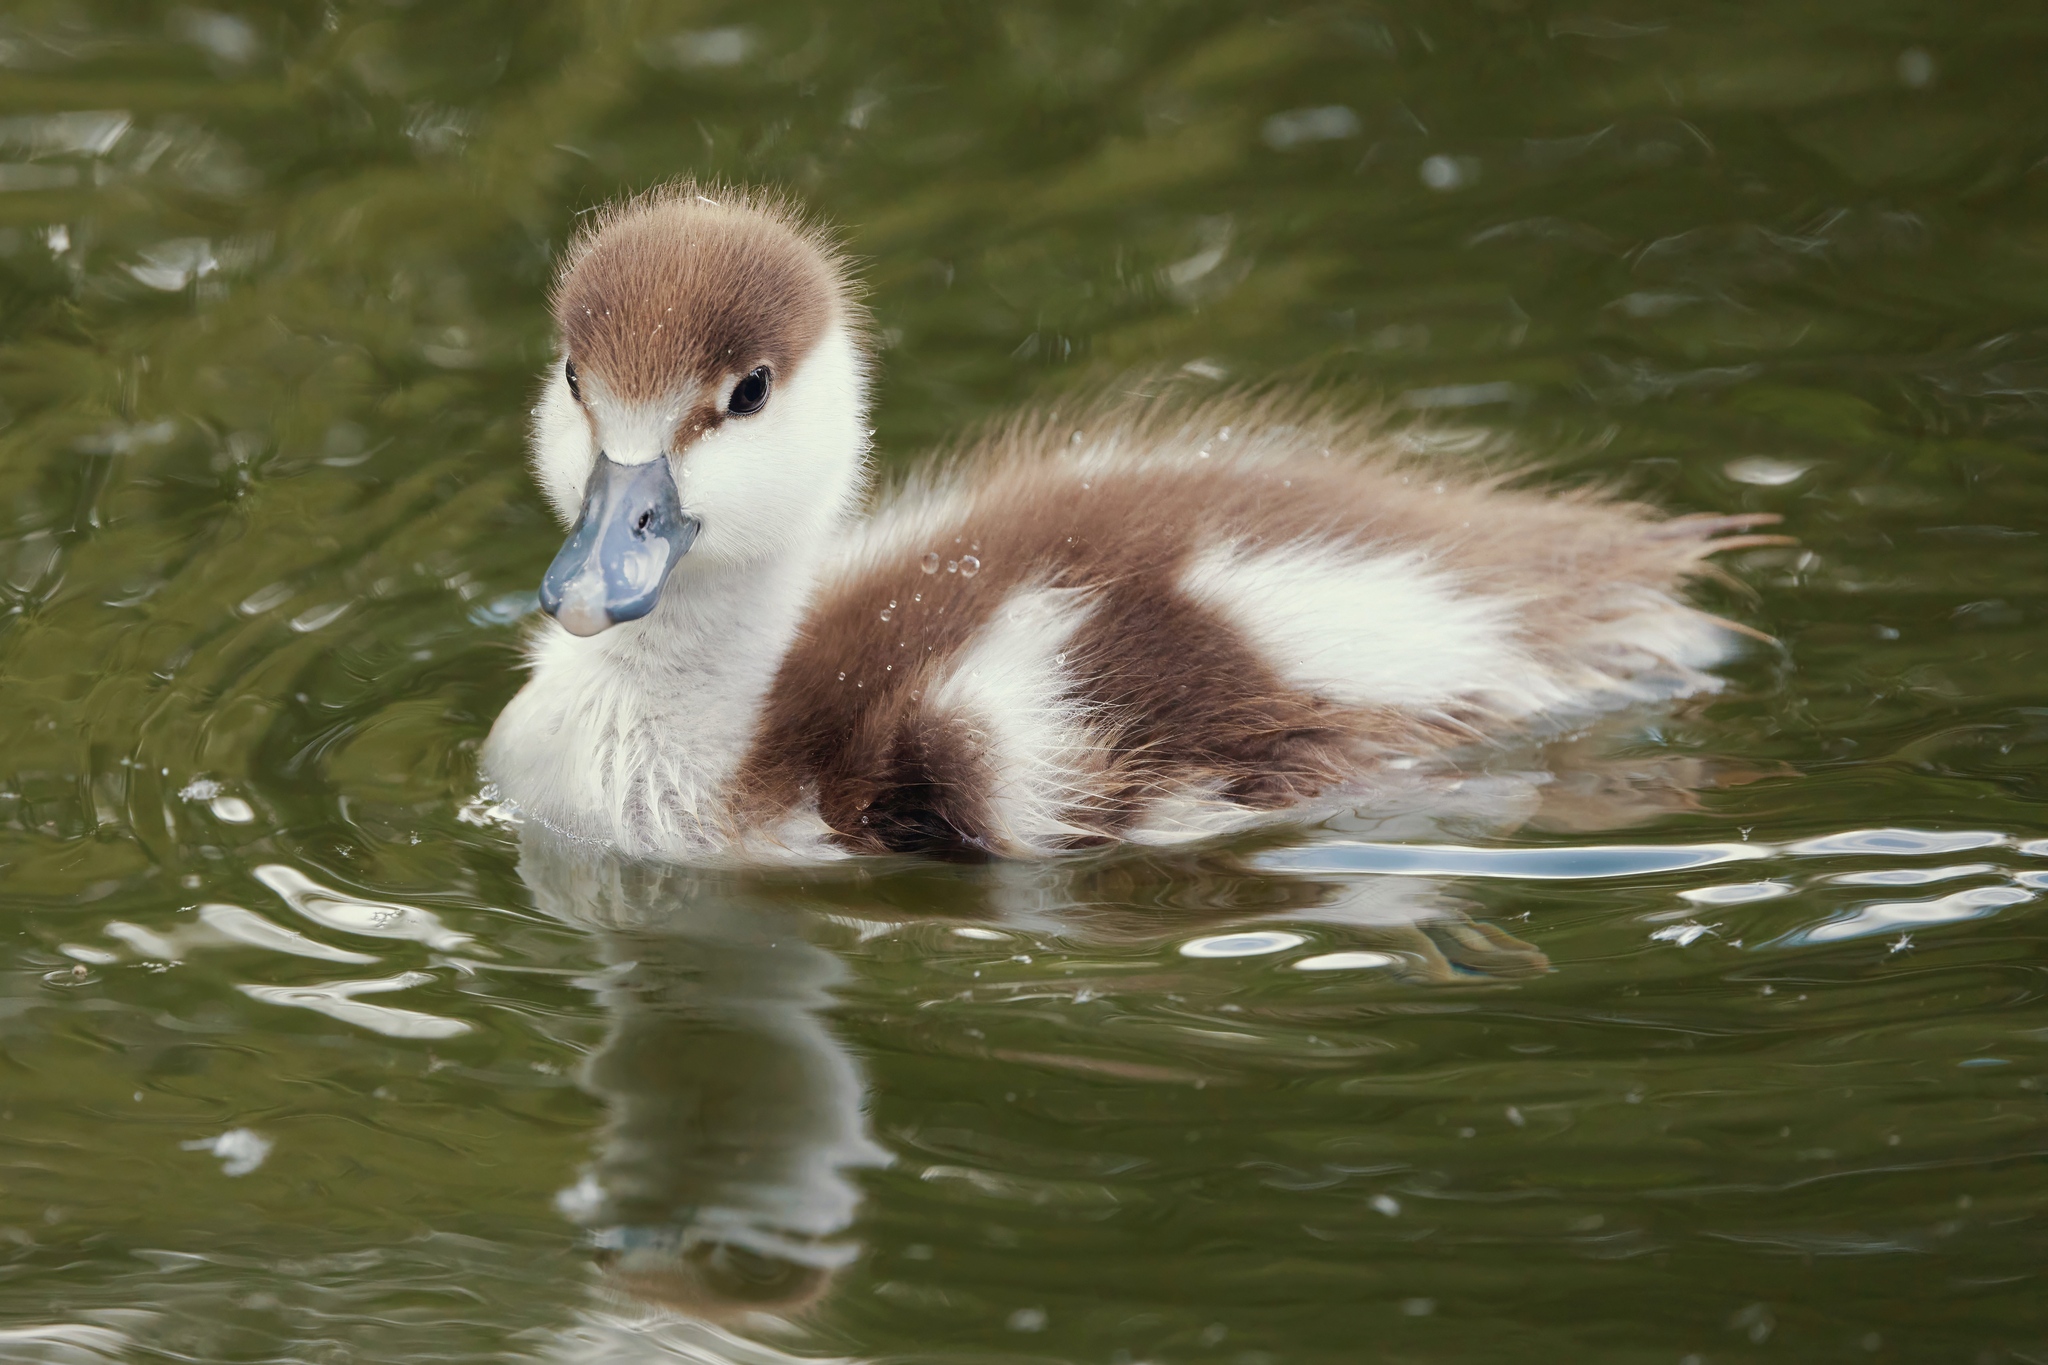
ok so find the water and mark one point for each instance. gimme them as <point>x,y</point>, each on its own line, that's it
<point>1714,1036</point>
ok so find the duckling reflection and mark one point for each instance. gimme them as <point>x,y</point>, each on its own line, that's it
<point>722,1182</point>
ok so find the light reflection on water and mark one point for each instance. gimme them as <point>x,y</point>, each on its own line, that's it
<point>1717,1034</point>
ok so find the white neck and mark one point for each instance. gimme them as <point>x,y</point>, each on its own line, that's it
<point>631,737</point>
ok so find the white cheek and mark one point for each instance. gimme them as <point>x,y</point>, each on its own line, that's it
<point>562,449</point>
<point>769,483</point>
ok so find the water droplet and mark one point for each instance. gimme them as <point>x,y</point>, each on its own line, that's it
<point>917,597</point>
<point>969,566</point>
<point>930,563</point>
<point>842,677</point>
<point>952,566</point>
<point>886,613</point>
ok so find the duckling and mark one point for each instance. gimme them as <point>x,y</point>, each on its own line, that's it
<point>1146,621</point>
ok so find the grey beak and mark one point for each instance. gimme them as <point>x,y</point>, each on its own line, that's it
<point>630,534</point>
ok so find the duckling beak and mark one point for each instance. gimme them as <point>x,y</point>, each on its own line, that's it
<point>630,534</point>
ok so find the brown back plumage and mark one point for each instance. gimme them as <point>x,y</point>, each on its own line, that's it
<point>1112,506</point>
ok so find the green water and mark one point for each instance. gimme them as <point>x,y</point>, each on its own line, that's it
<point>270,310</point>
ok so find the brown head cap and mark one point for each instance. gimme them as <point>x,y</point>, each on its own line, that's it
<point>693,285</point>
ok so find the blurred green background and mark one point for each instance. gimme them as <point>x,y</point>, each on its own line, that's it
<point>271,313</point>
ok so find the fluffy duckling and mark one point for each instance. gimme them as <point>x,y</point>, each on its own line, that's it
<point>1150,622</point>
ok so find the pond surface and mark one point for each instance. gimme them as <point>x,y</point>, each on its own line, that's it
<point>1713,1036</point>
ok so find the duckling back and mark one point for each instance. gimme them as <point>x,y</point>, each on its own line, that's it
<point>1163,625</point>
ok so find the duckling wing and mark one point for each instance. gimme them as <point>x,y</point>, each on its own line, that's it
<point>1162,640</point>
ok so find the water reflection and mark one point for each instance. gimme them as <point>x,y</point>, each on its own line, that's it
<point>722,1182</point>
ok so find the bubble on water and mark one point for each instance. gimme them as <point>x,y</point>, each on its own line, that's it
<point>1386,1204</point>
<point>1339,962</point>
<point>241,1150</point>
<point>930,563</point>
<point>1447,173</point>
<point>1252,944</point>
<point>969,566</point>
<point>583,1201</point>
<point>1916,68</point>
<point>1681,934</point>
<point>1028,1320</point>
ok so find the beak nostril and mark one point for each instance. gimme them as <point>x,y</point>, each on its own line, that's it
<point>627,538</point>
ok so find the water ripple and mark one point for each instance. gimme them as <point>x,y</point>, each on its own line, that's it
<point>1588,862</point>
<point>337,1000</point>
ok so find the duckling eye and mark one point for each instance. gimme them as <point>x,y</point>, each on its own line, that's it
<point>569,373</point>
<point>750,395</point>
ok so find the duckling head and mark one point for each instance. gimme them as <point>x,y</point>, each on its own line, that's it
<point>710,400</point>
